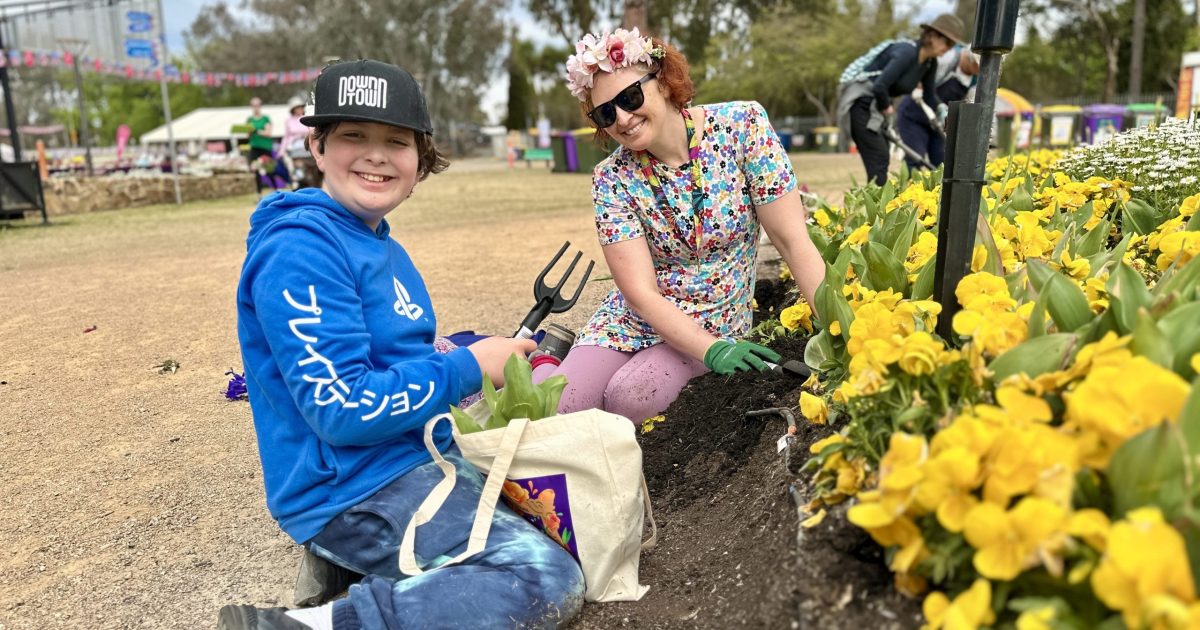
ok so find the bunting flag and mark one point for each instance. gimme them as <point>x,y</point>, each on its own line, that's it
<point>15,59</point>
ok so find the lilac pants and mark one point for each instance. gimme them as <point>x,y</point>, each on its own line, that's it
<point>636,385</point>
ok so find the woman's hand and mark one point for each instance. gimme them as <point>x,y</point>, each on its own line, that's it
<point>492,352</point>
<point>724,357</point>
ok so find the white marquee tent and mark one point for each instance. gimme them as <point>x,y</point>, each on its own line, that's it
<point>194,130</point>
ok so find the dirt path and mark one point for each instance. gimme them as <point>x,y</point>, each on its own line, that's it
<point>133,498</point>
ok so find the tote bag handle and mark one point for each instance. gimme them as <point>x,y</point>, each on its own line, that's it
<point>437,497</point>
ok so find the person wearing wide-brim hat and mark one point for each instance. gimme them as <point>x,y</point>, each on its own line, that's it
<point>889,70</point>
<point>294,133</point>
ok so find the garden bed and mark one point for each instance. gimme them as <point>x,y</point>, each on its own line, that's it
<point>731,551</point>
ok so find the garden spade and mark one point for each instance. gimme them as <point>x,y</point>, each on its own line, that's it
<point>889,132</point>
<point>550,299</point>
<point>792,368</point>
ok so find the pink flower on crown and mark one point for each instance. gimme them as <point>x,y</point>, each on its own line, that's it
<point>609,52</point>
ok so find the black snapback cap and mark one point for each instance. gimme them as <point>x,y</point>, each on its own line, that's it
<point>368,91</point>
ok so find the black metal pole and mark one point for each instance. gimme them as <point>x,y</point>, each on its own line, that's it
<point>84,133</point>
<point>9,110</point>
<point>968,138</point>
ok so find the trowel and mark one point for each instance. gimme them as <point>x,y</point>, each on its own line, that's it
<point>792,368</point>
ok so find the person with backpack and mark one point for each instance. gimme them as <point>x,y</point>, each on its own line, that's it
<point>918,125</point>
<point>889,70</point>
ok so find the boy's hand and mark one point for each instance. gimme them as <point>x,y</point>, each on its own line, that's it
<point>492,352</point>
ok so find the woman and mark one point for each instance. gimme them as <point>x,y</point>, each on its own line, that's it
<point>294,133</point>
<point>889,70</point>
<point>678,210</point>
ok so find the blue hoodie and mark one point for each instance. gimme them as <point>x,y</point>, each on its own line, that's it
<point>336,329</point>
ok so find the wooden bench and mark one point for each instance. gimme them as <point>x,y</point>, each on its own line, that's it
<point>529,156</point>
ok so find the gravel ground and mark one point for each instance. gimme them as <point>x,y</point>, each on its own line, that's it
<point>133,498</point>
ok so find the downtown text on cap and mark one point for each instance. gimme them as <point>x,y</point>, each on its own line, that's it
<point>368,91</point>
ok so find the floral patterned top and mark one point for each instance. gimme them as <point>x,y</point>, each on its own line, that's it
<point>743,165</point>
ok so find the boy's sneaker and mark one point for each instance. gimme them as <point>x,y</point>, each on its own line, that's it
<point>554,345</point>
<point>241,617</point>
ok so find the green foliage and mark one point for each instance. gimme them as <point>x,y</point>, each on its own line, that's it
<point>520,398</point>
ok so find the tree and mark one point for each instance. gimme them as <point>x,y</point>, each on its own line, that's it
<point>452,47</point>
<point>791,61</point>
<point>521,94</point>
<point>1138,47</point>
<point>965,10</point>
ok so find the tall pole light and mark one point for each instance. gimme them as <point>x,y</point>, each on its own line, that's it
<point>968,136</point>
<point>166,101</point>
<point>8,99</point>
<point>76,47</point>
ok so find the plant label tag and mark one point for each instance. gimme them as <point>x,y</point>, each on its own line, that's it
<point>784,441</point>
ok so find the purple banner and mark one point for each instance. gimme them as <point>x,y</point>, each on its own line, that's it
<point>543,501</point>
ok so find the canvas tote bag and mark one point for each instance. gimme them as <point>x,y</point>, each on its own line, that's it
<point>577,477</point>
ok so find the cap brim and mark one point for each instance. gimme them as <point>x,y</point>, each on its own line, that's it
<point>321,119</point>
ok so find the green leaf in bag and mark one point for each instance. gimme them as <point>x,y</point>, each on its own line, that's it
<point>552,388</point>
<point>490,396</point>
<point>466,424</point>
<point>519,389</point>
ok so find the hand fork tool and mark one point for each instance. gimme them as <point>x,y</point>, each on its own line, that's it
<point>550,299</point>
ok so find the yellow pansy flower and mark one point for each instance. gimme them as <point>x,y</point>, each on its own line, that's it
<point>814,408</point>
<point>858,236</point>
<point>921,354</point>
<point>796,316</point>
<point>1146,558</point>
<point>971,609</point>
<point>1115,402</point>
<point>899,473</point>
<point>1007,542</point>
<point>1189,205</point>
<point>1091,526</point>
<point>949,478</point>
<point>1178,248</point>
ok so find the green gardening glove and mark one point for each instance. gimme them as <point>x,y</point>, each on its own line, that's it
<point>724,357</point>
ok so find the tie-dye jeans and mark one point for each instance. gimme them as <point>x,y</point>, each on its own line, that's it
<point>522,579</point>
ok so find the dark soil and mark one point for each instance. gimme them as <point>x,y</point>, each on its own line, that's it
<point>770,297</point>
<point>730,551</point>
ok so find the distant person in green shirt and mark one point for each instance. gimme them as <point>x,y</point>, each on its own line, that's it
<point>260,141</point>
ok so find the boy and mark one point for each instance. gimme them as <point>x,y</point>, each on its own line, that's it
<point>336,329</point>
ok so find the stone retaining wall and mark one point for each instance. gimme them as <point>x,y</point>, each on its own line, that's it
<point>74,195</point>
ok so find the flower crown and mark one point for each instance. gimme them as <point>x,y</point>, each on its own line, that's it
<point>607,53</point>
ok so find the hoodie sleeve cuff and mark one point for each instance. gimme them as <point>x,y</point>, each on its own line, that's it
<point>469,372</point>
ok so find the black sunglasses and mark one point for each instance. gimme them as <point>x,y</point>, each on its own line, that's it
<point>629,99</point>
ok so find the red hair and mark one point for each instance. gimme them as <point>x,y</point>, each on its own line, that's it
<point>673,73</point>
